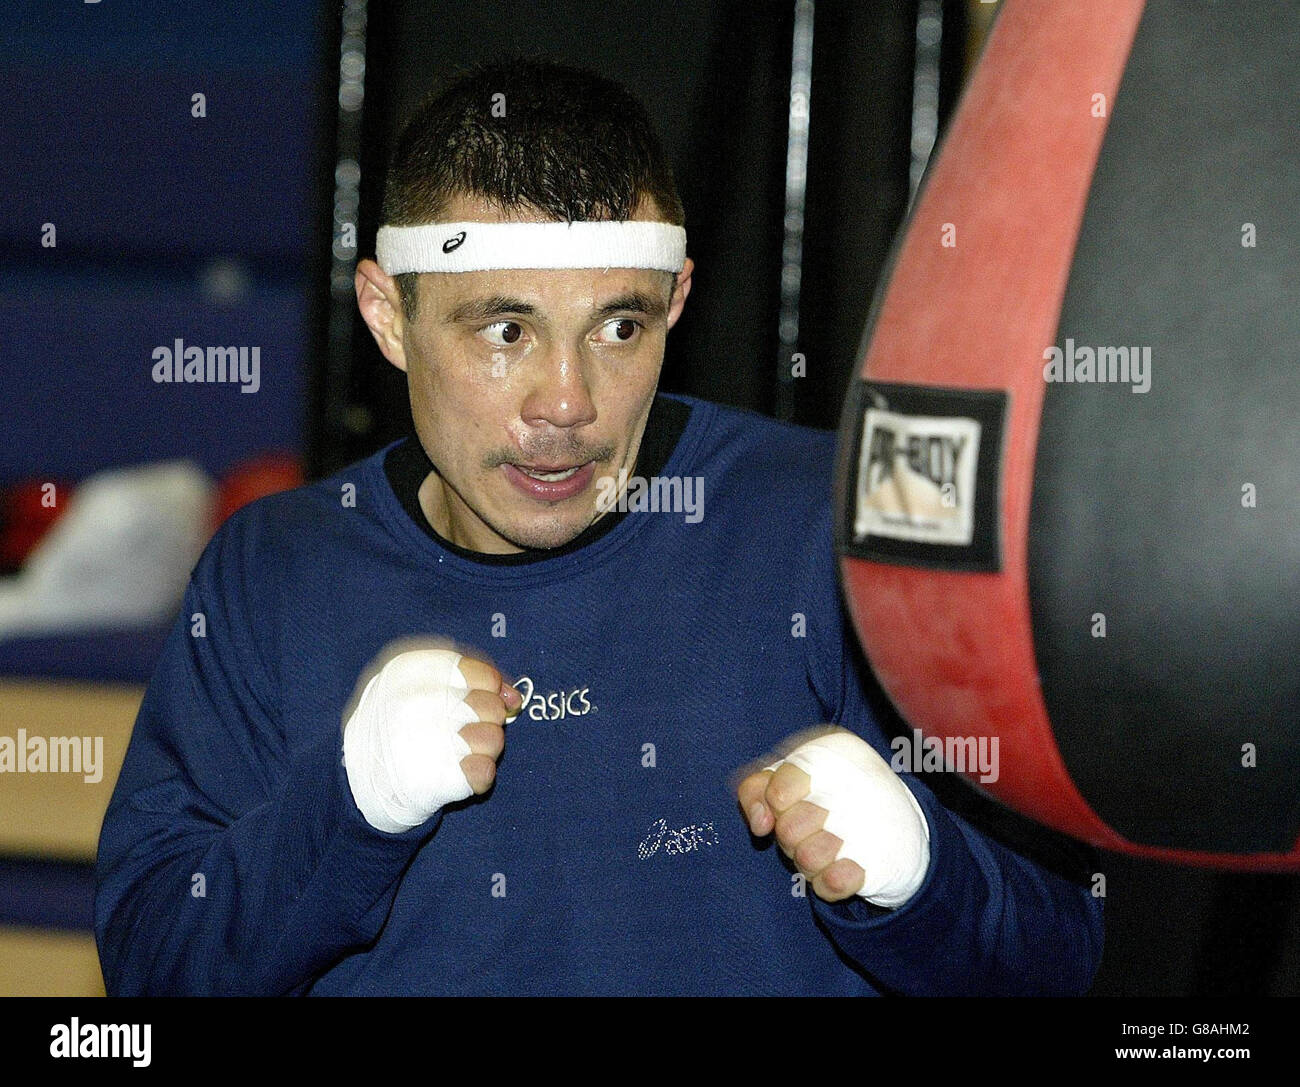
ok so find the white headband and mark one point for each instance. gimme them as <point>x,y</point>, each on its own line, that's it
<point>473,247</point>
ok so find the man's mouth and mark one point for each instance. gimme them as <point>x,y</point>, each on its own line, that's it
<point>547,473</point>
<point>551,482</point>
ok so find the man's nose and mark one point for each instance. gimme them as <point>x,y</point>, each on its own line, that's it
<point>559,395</point>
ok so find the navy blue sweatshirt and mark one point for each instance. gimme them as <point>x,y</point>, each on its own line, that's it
<point>660,653</point>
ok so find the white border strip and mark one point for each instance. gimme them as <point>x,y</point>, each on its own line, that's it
<point>473,247</point>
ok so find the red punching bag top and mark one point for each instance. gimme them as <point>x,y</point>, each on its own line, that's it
<point>1068,493</point>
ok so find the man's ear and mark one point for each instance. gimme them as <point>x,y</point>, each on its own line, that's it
<point>380,304</point>
<point>680,292</point>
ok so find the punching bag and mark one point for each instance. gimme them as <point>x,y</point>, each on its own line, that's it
<point>1068,490</point>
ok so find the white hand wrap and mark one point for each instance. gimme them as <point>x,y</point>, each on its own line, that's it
<point>402,745</point>
<point>869,808</point>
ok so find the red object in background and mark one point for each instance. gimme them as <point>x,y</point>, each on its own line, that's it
<point>27,511</point>
<point>269,473</point>
<point>957,650</point>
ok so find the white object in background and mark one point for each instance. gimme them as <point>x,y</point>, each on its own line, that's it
<point>120,556</point>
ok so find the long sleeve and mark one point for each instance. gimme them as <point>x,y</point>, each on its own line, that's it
<point>986,920</point>
<point>232,861</point>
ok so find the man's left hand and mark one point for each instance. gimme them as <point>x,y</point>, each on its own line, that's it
<point>846,820</point>
<point>776,801</point>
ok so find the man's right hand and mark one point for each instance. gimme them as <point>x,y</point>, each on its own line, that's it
<point>493,700</point>
<point>427,731</point>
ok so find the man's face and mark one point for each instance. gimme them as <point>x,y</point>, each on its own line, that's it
<point>529,386</point>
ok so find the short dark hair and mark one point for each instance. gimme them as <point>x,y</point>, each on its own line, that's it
<point>562,141</point>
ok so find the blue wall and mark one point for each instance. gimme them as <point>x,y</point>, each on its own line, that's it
<point>168,226</point>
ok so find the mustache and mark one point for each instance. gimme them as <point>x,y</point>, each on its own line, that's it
<point>551,452</point>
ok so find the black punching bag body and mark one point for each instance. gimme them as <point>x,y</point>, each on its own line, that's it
<point>1069,479</point>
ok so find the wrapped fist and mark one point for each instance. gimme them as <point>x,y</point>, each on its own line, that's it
<point>845,819</point>
<point>426,731</point>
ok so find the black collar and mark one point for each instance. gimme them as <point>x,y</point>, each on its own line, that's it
<point>407,466</point>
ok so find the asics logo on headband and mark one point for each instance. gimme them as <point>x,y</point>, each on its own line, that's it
<point>602,243</point>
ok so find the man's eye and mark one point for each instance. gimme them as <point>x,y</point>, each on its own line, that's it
<point>503,333</point>
<point>619,330</point>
